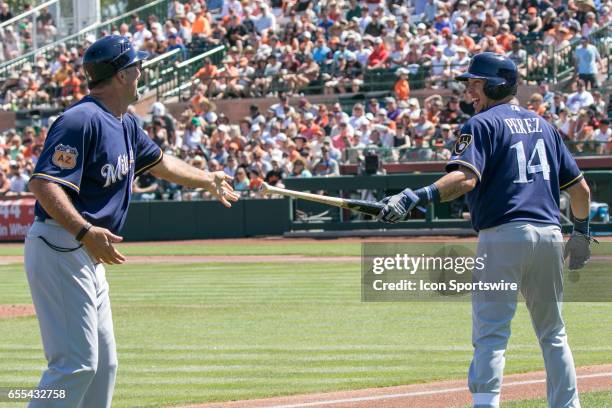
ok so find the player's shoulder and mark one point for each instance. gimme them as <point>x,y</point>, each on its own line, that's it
<point>84,110</point>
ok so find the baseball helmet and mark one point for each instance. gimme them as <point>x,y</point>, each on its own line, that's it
<point>499,72</point>
<point>109,55</point>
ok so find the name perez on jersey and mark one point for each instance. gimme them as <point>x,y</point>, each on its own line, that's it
<point>112,174</point>
<point>523,125</point>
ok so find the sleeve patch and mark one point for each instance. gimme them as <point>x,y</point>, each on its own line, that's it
<point>65,157</point>
<point>462,143</point>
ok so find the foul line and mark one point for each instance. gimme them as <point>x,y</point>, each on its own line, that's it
<point>421,393</point>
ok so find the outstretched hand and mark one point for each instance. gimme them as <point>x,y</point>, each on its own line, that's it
<point>222,190</point>
<point>99,243</point>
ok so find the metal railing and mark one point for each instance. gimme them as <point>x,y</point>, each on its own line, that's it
<point>354,155</point>
<point>442,152</point>
<point>173,79</point>
<point>562,64</point>
<point>157,7</point>
<point>32,14</point>
<point>154,70</point>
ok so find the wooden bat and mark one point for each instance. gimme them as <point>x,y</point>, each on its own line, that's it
<point>367,207</point>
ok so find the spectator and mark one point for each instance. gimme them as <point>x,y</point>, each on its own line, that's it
<point>241,181</point>
<point>145,188</point>
<point>299,168</point>
<point>602,136</point>
<point>589,25</point>
<point>579,99</point>
<point>599,104</point>
<point>378,57</point>
<point>5,183</point>
<point>440,69</point>
<point>326,166</point>
<point>452,114</point>
<point>587,60</point>
<point>308,71</point>
<point>424,128</point>
<point>19,180</point>
<point>266,22</point>
<point>536,104</point>
<point>401,88</point>
<point>5,12</point>
<point>420,151</point>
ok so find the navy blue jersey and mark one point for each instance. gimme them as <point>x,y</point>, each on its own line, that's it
<point>521,163</point>
<point>96,156</point>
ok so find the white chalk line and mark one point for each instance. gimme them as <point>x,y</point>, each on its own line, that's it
<point>422,393</point>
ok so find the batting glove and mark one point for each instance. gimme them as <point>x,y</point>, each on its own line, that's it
<point>578,250</point>
<point>398,207</point>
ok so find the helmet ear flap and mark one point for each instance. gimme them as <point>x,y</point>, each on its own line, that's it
<point>498,92</point>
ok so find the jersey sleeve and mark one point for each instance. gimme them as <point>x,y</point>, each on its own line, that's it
<point>569,173</point>
<point>469,149</point>
<point>65,152</point>
<point>147,153</point>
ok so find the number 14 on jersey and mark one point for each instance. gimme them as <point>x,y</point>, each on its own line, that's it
<point>527,167</point>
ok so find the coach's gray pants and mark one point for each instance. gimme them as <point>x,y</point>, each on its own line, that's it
<point>531,255</point>
<point>70,295</point>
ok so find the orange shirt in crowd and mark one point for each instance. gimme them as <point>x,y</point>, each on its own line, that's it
<point>465,41</point>
<point>505,40</point>
<point>402,89</point>
<point>71,86</point>
<point>195,104</point>
<point>309,132</point>
<point>200,25</point>
<point>540,110</point>
<point>206,73</point>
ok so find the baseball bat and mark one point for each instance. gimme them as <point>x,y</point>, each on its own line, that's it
<point>367,207</point>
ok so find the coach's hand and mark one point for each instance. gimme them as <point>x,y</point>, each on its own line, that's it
<point>398,207</point>
<point>99,243</point>
<point>578,250</point>
<point>221,188</point>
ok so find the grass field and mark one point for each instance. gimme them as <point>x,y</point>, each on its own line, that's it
<point>213,332</point>
<point>589,400</point>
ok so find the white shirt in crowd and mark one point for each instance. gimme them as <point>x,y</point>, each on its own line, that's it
<point>579,100</point>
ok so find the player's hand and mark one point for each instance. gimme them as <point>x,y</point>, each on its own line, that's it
<point>398,207</point>
<point>99,243</point>
<point>578,250</point>
<point>221,188</point>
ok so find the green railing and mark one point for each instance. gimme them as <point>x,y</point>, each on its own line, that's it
<point>398,154</point>
<point>157,7</point>
<point>174,79</point>
<point>153,70</point>
<point>443,152</point>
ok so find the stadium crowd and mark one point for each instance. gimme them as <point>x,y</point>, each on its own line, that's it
<point>279,48</point>
<point>17,38</point>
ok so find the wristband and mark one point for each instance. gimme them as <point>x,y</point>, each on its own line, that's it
<point>429,194</point>
<point>83,231</point>
<point>582,226</point>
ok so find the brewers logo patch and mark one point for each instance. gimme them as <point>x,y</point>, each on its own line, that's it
<point>462,143</point>
<point>65,157</point>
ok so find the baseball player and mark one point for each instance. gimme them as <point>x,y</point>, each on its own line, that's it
<point>512,165</point>
<point>82,183</point>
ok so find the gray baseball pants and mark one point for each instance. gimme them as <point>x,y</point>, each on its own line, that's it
<point>70,295</point>
<point>531,255</point>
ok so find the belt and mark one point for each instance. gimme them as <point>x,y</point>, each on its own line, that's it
<point>49,221</point>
